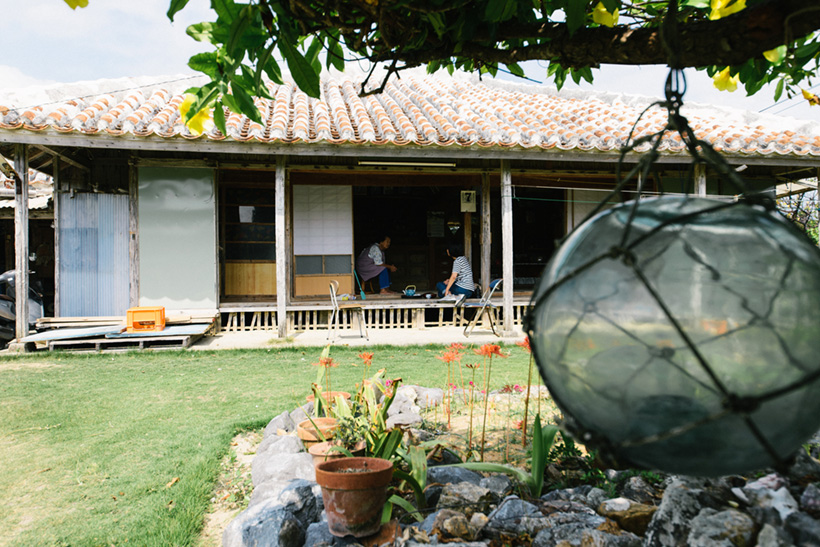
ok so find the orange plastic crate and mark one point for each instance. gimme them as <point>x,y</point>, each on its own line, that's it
<point>145,319</point>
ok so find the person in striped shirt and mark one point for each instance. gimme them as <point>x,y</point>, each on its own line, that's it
<point>461,279</point>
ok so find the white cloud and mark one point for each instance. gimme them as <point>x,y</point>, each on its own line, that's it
<point>13,78</point>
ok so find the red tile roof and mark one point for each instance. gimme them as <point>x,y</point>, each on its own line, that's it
<point>433,110</point>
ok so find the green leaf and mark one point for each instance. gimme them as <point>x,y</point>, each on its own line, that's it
<point>407,506</point>
<point>612,5</point>
<point>230,102</point>
<point>238,29</point>
<point>302,71</point>
<point>203,32</point>
<point>206,63</point>
<point>219,118</point>
<point>174,7</point>
<point>704,4</point>
<point>436,20</point>
<point>226,9</point>
<point>273,71</point>
<point>778,91</point>
<point>576,12</point>
<point>516,70</point>
<point>499,10</point>
<point>260,67</point>
<point>335,53</point>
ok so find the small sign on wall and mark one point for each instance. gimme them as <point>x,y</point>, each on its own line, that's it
<point>468,201</point>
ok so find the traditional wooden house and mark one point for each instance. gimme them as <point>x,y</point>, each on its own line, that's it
<point>251,226</point>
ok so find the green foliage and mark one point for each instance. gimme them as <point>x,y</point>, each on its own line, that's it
<point>542,439</point>
<point>476,35</point>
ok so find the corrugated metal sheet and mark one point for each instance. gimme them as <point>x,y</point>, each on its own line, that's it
<point>94,261</point>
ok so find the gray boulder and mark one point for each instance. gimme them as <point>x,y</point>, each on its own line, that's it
<point>283,467</point>
<point>683,500</point>
<point>282,422</point>
<point>804,529</point>
<point>448,475</point>
<point>279,444</point>
<point>728,528</point>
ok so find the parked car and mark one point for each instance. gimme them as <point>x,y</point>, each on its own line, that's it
<point>8,308</point>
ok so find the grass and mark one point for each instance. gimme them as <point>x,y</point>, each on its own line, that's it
<point>109,449</point>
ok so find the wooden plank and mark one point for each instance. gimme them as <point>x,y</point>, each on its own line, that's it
<point>281,247</point>
<point>700,180</point>
<point>319,285</point>
<point>507,246</point>
<point>67,334</point>
<point>56,187</point>
<point>486,233</point>
<point>250,278</point>
<point>21,241</point>
<point>63,158</point>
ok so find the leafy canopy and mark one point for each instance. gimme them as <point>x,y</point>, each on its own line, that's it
<point>753,42</point>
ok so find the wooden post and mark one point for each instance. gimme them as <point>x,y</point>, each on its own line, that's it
<point>486,235</point>
<point>700,180</point>
<point>281,249</point>
<point>133,236</point>
<point>21,243</point>
<point>55,200</point>
<point>468,237</point>
<point>508,285</point>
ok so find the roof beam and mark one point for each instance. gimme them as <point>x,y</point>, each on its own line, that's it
<point>63,157</point>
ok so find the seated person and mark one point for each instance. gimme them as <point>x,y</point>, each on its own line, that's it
<point>461,280</point>
<point>370,264</point>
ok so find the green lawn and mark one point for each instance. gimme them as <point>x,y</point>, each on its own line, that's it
<point>89,444</point>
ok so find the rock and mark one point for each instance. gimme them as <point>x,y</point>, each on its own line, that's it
<point>448,475</point>
<point>630,515</point>
<point>768,505</point>
<point>427,524</point>
<point>443,457</point>
<point>515,516</point>
<point>466,497</point>
<point>637,489</point>
<point>810,501</point>
<point>404,402</point>
<point>722,528</point>
<point>428,397</point>
<point>403,419</point>
<point>596,497</point>
<point>282,422</point>
<point>500,486</point>
<point>579,535</point>
<point>276,521</point>
<point>279,444</point>
<point>770,536</point>
<point>578,494</point>
<point>670,525</point>
<point>318,535</point>
<point>804,529</point>
<point>417,436</point>
<point>453,524</point>
<point>301,413</point>
<point>283,467</point>
<point>805,469</point>
<point>565,512</point>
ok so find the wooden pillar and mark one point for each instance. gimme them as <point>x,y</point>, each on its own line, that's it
<point>486,235</point>
<point>468,237</point>
<point>133,237</point>
<point>21,243</point>
<point>281,249</point>
<point>508,285</point>
<point>55,200</point>
<point>700,180</point>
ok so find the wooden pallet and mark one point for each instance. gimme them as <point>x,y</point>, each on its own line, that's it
<point>125,344</point>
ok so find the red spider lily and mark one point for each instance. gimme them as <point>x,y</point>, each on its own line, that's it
<point>366,357</point>
<point>456,346</point>
<point>449,356</point>
<point>326,362</point>
<point>525,344</point>
<point>519,424</point>
<point>488,350</point>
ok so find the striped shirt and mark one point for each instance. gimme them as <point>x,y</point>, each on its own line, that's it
<point>465,274</point>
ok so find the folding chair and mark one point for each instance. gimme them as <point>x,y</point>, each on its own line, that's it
<point>484,306</point>
<point>338,307</point>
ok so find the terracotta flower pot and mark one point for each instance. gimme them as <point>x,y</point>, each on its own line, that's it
<point>354,491</point>
<point>330,396</point>
<point>321,451</point>
<point>307,433</point>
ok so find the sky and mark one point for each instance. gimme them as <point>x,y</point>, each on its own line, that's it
<point>45,42</point>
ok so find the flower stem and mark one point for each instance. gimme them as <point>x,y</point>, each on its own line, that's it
<point>526,407</point>
<point>486,398</point>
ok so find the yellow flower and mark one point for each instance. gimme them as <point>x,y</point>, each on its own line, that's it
<point>74,4</point>
<point>811,97</point>
<point>775,55</point>
<point>601,16</point>
<point>725,81</point>
<point>722,8</point>
<point>201,122</point>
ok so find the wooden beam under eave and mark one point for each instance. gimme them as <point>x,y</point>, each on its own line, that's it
<point>63,157</point>
<point>21,242</point>
<point>282,280</point>
<point>508,284</point>
<point>486,231</point>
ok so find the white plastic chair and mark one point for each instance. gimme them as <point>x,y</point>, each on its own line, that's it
<point>484,306</point>
<point>333,324</point>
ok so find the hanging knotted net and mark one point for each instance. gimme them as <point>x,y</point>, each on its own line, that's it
<point>681,333</point>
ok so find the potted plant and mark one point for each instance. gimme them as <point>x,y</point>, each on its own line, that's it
<point>354,491</point>
<point>347,438</point>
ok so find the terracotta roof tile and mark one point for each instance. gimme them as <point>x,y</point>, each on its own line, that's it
<point>447,111</point>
